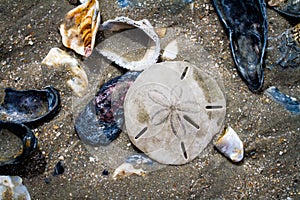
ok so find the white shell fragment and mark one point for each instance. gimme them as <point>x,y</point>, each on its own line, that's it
<point>58,58</point>
<point>172,111</point>
<point>127,169</point>
<point>230,145</point>
<point>136,48</point>
<point>80,27</point>
<point>171,51</point>
<point>11,187</point>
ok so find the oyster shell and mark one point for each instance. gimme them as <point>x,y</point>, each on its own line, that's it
<point>140,39</point>
<point>80,27</point>
<point>79,82</point>
<point>29,106</point>
<point>103,117</point>
<point>230,145</point>
<point>172,120</point>
<point>26,136</point>
<point>11,187</point>
<point>246,24</point>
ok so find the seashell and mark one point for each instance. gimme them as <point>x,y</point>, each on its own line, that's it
<point>289,103</point>
<point>173,119</point>
<point>170,51</point>
<point>289,8</point>
<point>59,168</point>
<point>140,39</point>
<point>80,27</point>
<point>29,106</point>
<point>230,145</point>
<point>134,164</point>
<point>57,58</point>
<point>246,24</point>
<point>103,117</point>
<point>29,142</point>
<point>284,49</point>
<point>127,169</point>
<point>11,187</point>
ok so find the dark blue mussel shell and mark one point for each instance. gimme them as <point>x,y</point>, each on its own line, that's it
<point>289,8</point>
<point>29,106</point>
<point>103,117</point>
<point>246,24</point>
<point>28,139</point>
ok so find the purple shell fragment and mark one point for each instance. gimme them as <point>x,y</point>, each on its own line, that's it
<point>103,117</point>
<point>290,103</point>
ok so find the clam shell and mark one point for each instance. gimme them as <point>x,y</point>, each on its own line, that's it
<point>102,119</point>
<point>11,187</point>
<point>58,58</point>
<point>230,145</point>
<point>29,106</point>
<point>80,27</point>
<point>173,119</point>
<point>140,37</point>
<point>26,136</point>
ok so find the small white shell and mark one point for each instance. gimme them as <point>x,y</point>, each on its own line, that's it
<point>123,23</point>
<point>58,58</point>
<point>127,169</point>
<point>230,145</point>
<point>11,187</point>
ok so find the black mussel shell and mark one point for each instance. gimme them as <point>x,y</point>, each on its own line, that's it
<point>29,106</point>
<point>103,117</point>
<point>289,8</point>
<point>26,135</point>
<point>246,26</point>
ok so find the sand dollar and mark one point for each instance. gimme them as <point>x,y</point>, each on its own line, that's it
<point>172,111</point>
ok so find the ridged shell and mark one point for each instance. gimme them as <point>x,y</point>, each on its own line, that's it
<point>80,27</point>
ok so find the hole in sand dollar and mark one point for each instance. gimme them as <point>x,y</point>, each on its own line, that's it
<point>184,150</point>
<point>140,133</point>
<point>183,75</point>
<point>213,107</point>
<point>189,120</point>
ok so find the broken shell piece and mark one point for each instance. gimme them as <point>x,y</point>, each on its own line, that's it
<point>289,103</point>
<point>23,133</point>
<point>127,169</point>
<point>135,164</point>
<point>171,51</point>
<point>11,187</point>
<point>230,145</point>
<point>134,49</point>
<point>80,27</point>
<point>284,49</point>
<point>57,58</point>
<point>173,119</point>
<point>289,8</point>
<point>29,106</point>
